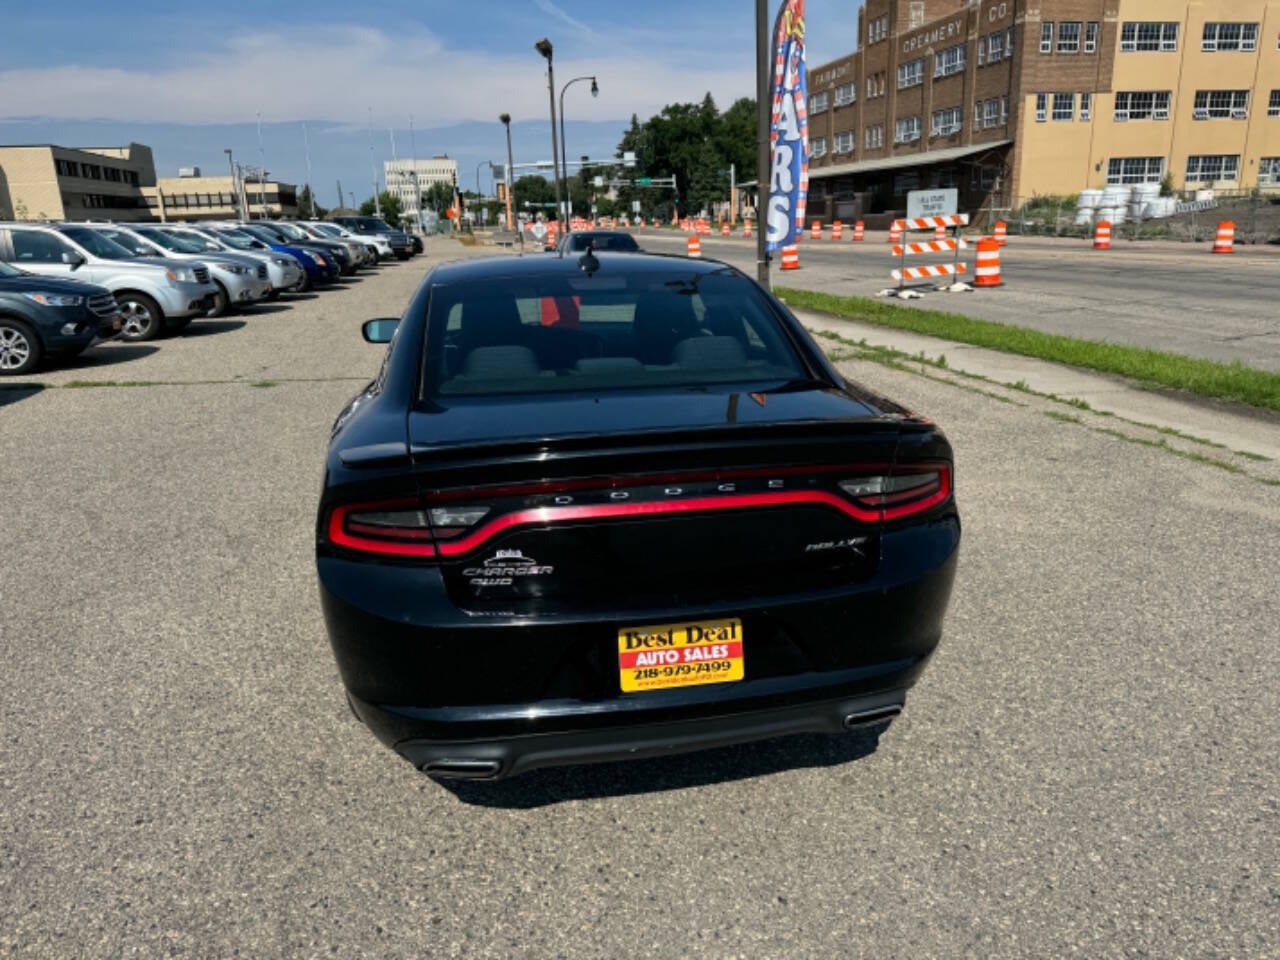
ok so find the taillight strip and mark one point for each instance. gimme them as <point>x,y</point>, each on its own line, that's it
<point>604,511</point>
<point>919,506</point>
<point>339,535</point>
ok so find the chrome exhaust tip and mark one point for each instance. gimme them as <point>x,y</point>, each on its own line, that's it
<point>462,769</point>
<point>869,718</point>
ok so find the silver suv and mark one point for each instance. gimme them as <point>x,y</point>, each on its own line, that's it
<point>284,272</point>
<point>240,280</point>
<point>154,294</point>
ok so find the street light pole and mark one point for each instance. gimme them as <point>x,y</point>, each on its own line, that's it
<point>763,110</point>
<point>543,47</point>
<point>235,184</point>
<point>564,149</point>
<point>509,176</point>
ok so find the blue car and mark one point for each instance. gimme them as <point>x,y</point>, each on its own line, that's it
<point>47,317</point>
<point>318,269</point>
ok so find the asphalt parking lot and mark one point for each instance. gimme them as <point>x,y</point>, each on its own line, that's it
<point>1158,294</point>
<point>1088,766</point>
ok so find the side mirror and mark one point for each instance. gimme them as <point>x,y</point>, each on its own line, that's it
<point>380,330</point>
<point>74,260</point>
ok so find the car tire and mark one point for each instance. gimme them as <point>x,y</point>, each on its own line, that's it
<point>304,285</point>
<point>20,348</point>
<point>221,301</point>
<point>273,295</point>
<point>178,325</point>
<point>143,319</point>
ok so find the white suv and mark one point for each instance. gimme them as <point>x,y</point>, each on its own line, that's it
<point>155,294</point>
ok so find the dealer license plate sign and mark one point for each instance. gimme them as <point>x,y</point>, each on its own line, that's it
<point>680,654</point>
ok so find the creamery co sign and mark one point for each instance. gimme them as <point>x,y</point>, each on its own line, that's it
<point>939,34</point>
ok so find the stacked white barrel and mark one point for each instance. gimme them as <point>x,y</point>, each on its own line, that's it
<point>1087,206</point>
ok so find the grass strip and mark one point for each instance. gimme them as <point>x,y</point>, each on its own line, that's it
<point>1155,368</point>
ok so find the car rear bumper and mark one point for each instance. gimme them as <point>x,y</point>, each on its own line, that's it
<point>426,675</point>
<point>496,759</point>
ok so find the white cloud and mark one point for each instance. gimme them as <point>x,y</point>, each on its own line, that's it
<point>339,72</point>
<point>546,6</point>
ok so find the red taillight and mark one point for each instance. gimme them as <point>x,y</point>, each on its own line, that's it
<point>401,528</point>
<point>907,490</point>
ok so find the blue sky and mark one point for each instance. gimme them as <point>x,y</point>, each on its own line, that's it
<point>185,77</point>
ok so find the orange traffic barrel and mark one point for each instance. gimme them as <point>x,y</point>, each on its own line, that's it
<point>895,232</point>
<point>986,272</point>
<point>724,229</point>
<point>1102,236</point>
<point>1002,231</point>
<point>1226,239</point>
<point>857,232</point>
<point>790,258</point>
<point>939,232</point>
<point>837,230</point>
<point>695,246</point>
<point>815,230</point>
<point>746,228</point>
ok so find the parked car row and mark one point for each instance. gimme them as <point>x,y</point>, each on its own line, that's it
<point>65,285</point>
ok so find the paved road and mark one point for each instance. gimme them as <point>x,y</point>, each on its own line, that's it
<point>1159,295</point>
<point>1087,767</point>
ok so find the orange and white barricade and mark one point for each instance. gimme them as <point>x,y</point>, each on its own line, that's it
<point>837,230</point>
<point>746,228</point>
<point>1002,231</point>
<point>1226,239</point>
<point>704,228</point>
<point>1102,235</point>
<point>552,231</point>
<point>724,229</point>
<point>986,268</point>
<point>695,246</point>
<point>790,258</point>
<point>858,228</point>
<point>903,248</point>
<point>815,230</point>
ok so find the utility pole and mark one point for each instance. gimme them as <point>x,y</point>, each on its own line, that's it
<point>413,173</point>
<point>311,194</point>
<point>508,174</point>
<point>339,193</point>
<point>262,174</point>
<point>763,110</point>
<point>235,184</point>
<point>733,193</point>
<point>373,169</point>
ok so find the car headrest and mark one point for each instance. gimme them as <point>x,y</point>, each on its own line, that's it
<point>709,353</point>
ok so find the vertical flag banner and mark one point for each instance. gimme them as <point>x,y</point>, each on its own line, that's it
<point>788,131</point>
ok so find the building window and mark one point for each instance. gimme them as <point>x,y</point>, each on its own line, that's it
<point>1046,37</point>
<point>818,147</point>
<point>991,111</point>
<point>1273,108</point>
<point>982,51</point>
<point>844,141</point>
<point>1123,170</point>
<point>1042,107</point>
<point>1147,36</point>
<point>1086,106</point>
<point>878,29</point>
<point>947,121</point>
<point>1269,172</point>
<point>846,93</point>
<point>1211,167</point>
<point>1142,105</point>
<point>910,74</point>
<point>1229,36</point>
<point>818,103</point>
<point>1069,36</point>
<point>1217,104</point>
<point>874,136</point>
<point>66,168</point>
<point>91,170</point>
<point>1064,106</point>
<point>948,61</point>
<point>906,130</point>
<point>112,174</point>
<point>1091,36</point>
<point>1004,111</point>
<point>1008,44</point>
<point>996,47</point>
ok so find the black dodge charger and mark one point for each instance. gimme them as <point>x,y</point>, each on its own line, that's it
<point>607,506</point>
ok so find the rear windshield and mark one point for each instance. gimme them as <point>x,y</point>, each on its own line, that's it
<point>603,332</point>
<point>371,225</point>
<point>603,241</point>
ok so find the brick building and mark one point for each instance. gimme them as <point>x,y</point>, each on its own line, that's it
<point>1010,99</point>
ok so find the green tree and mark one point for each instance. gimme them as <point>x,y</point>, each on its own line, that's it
<point>438,197</point>
<point>707,184</point>
<point>390,205</point>
<point>536,190</point>
<point>307,206</point>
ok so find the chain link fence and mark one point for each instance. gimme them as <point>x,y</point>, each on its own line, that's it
<point>1256,216</point>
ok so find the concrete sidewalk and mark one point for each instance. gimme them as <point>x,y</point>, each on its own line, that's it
<point>1236,428</point>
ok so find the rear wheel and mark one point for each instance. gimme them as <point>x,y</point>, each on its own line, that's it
<point>141,315</point>
<point>221,300</point>
<point>19,348</point>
